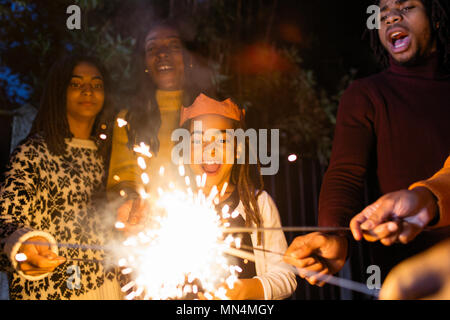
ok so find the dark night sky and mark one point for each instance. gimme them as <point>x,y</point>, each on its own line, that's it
<point>337,28</point>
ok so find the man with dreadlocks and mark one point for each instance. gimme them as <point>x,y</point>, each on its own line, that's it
<point>392,129</point>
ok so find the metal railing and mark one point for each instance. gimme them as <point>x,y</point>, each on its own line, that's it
<point>295,190</point>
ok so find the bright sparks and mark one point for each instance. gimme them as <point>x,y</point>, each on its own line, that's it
<point>141,163</point>
<point>182,249</point>
<point>121,122</point>
<point>143,149</point>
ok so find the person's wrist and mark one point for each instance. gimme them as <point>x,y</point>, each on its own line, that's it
<point>340,243</point>
<point>430,202</point>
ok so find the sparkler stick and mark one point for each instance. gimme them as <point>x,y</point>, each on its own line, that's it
<point>240,254</point>
<point>330,279</point>
<point>165,280</point>
<point>340,282</point>
<point>66,245</point>
<point>63,245</point>
<point>287,229</point>
<point>84,260</point>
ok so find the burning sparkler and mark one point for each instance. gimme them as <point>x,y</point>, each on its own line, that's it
<point>182,249</point>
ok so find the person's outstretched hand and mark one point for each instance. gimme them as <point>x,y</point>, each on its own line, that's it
<point>40,259</point>
<point>395,217</point>
<point>131,215</point>
<point>424,276</point>
<point>317,255</point>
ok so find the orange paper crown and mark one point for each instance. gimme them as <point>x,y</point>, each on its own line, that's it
<point>205,105</point>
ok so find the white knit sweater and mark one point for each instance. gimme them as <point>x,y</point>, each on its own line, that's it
<point>51,196</point>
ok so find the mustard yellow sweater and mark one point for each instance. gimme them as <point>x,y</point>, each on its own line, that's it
<point>439,185</point>
<point>124,172</point>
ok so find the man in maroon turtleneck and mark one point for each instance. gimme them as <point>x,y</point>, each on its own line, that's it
<point>392,128</point>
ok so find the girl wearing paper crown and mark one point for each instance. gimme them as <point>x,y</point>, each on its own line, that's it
<point>268,278</point>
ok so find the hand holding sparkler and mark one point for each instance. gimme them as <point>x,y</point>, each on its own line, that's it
<point>130,216</point>
<point>396,217</point>
<point>318,253</point>
<point>35,260</point>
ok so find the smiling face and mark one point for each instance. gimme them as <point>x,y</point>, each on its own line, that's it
<point>164,58</point>
<point>85,93</point>
<point>218,172</point>
<point>405,30</point>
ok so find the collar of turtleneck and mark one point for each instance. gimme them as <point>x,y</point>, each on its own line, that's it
<point>169,100</point>
<point>428,68</point>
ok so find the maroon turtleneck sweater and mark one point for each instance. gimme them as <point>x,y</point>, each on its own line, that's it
<point>392,128</point>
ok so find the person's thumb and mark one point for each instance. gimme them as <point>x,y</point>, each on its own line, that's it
<point>305,246</point>
<point>379,215</point>
<point>45,258</point>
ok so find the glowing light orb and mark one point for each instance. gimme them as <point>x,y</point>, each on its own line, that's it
<point>292,157</point>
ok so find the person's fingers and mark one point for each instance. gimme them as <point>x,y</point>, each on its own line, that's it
<point>134,215</point>
<point>30,269</point>
<point>386,230</point>
<point>319,276</point>
<point>388,241</point>
<point>355,225</point>
<point>26,266</point>
<point>324,276</point>
<point>370,236</point>
<point>45,259</point>
<point>382,231</point>
<point>123,213</point>
<point>382,210</point>
<point>45,251</point>
<point>295,251</point>
<point>34,245</point>
<point>306,263</point>
<point>313,242</point>
<point>303,248</point>
<point>137,213</point>
<point>300,263</point>
<point>409,232</point>
<point>312,270</point>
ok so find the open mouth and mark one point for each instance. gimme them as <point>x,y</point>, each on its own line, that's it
<point>211,168</point>
<point>164,68</point>
<point>399,41</point>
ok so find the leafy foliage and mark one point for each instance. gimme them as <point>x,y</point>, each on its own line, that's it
<point>240,39</point>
